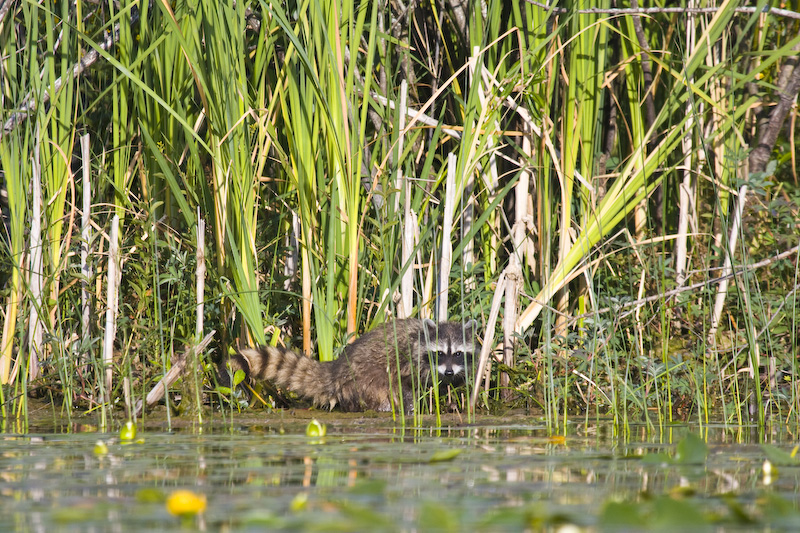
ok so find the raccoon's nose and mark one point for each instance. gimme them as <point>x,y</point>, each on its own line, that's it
<point>449,372</point>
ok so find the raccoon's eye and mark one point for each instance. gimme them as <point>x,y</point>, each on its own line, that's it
<point>458,356</point>
<point>441,355</point>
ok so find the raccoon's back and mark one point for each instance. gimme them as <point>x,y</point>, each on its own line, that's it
<point>290,370</point>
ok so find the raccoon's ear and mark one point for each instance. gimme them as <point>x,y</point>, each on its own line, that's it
<point>429,323</point>
<point>430,328</point>
<point>471,326</point>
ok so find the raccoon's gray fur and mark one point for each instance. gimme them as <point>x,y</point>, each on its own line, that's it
<point>371,373</point>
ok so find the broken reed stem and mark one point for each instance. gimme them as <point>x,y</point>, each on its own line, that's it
<point>292,243</point>
<point>86,236</point>
<point>201,285</point>
<point>178,366</point>
<point>201,273</point>
<point>113,278</point>
<point>447,235</point>
<point>727,268</point>
<point>35,266</point>
<point>483,367</point>
<point>409,218</point>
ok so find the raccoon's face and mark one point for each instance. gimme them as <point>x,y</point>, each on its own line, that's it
<point>452,365</point>
<point>452,352</point>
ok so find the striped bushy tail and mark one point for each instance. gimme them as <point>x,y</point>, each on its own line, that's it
<point>289,370</point>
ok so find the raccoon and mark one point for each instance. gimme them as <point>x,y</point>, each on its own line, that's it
<point>376,371</point>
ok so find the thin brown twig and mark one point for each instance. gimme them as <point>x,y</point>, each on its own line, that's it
<point>674,292</point>
<point>6,5</point>
<point>741,269</point>
<point>28,104</point>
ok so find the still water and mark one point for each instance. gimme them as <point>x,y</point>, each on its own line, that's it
<point>368,475</point>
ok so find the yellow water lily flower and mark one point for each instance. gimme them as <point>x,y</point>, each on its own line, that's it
<point>186,503</point>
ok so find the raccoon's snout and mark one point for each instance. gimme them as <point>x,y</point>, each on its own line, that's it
<point>449,372</point>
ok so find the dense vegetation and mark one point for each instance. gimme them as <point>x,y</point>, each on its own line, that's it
<point>612,193</point>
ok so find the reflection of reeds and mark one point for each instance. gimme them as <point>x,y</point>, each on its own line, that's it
<point>382,151</point>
